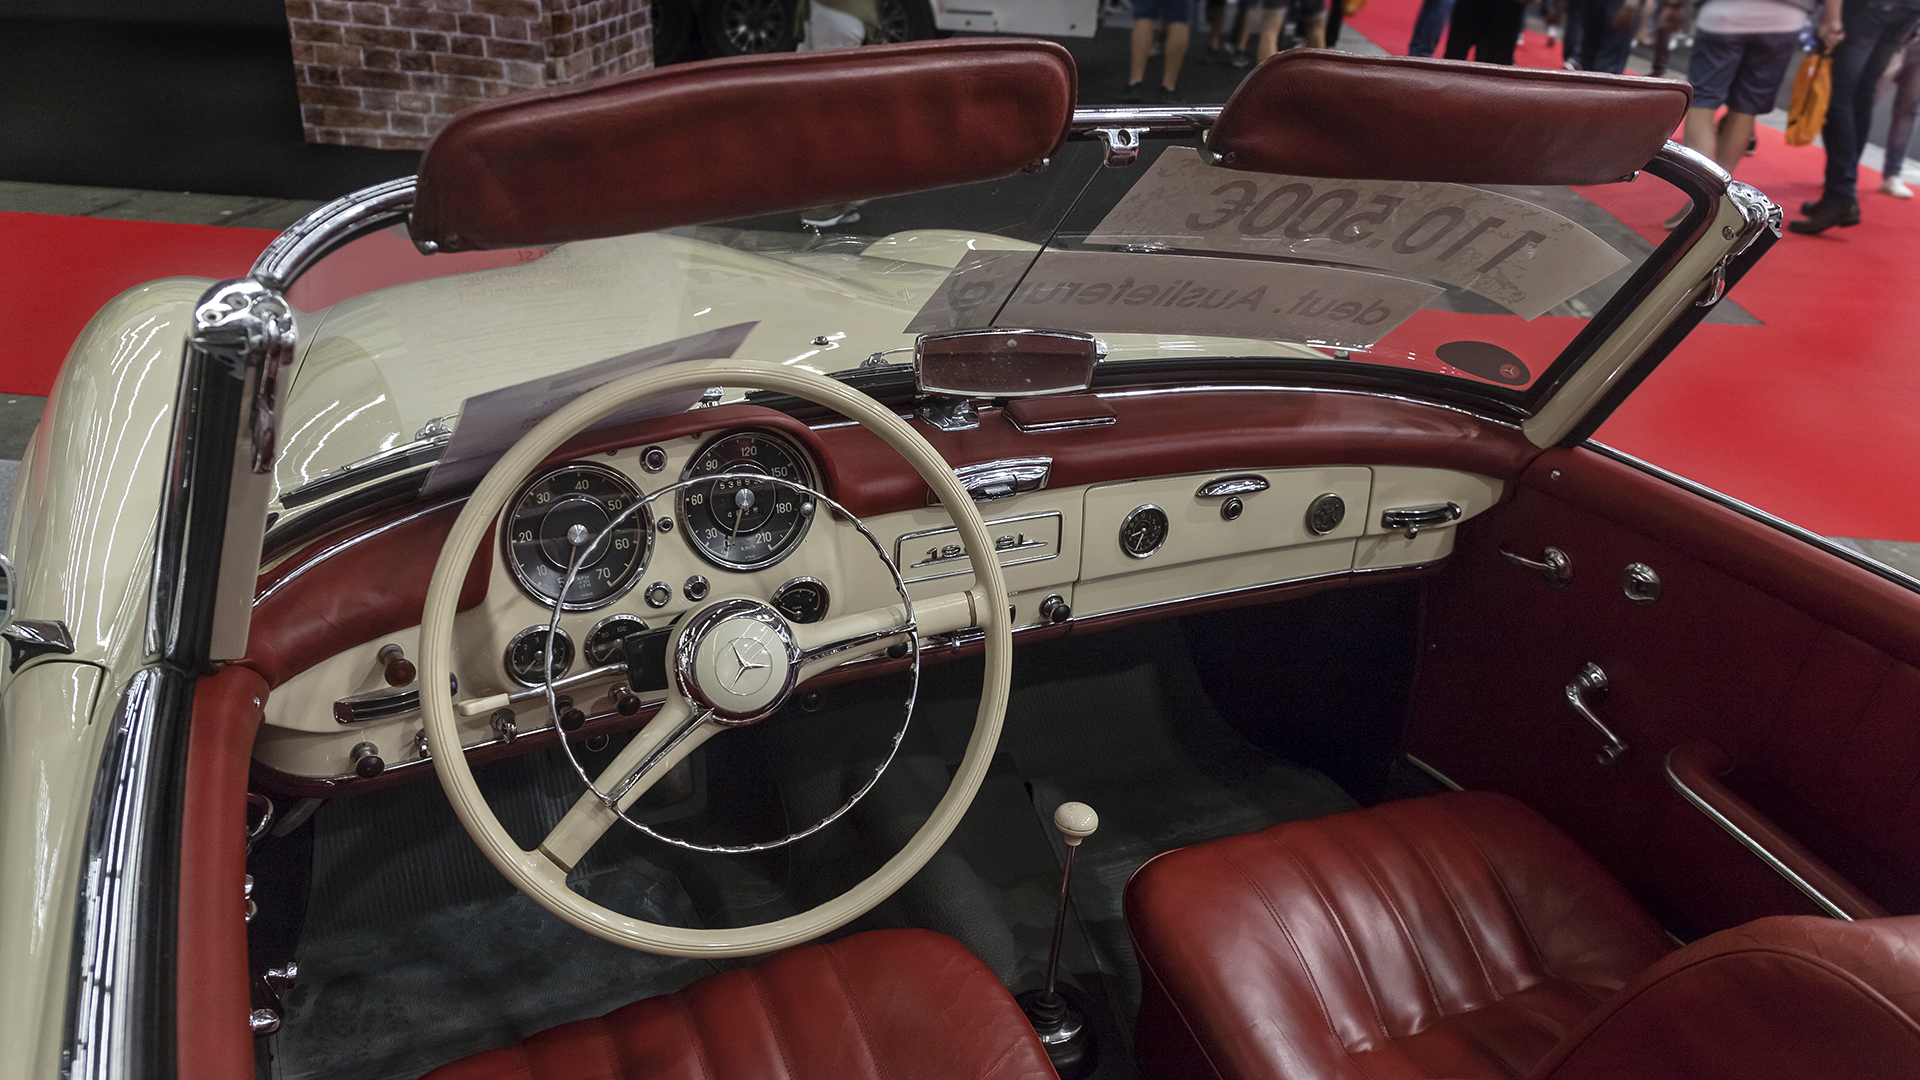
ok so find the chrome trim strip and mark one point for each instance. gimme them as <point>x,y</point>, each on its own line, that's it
<point>415,454</point>
<point>1213,388</point>
<point>1437,775</point>
<point>1730,503</point>
<point>353,541</point>
<point>1155,118</point>
<point>310,239</point>
<point>1753,845</point>
<point>120,991</point>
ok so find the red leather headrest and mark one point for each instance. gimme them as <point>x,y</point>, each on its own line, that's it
<point>1314,112</point>
<point>730,138</point>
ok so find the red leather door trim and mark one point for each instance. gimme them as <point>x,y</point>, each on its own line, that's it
<point>1695,767</point>
<point>215,1042</point>
<point>1797,663</point>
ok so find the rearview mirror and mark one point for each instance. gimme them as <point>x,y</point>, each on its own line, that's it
<point>994,363</point>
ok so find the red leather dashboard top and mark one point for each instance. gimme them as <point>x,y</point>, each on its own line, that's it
<point>347,589</point>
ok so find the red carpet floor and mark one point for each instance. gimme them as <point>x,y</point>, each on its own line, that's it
<point>1814,416</point>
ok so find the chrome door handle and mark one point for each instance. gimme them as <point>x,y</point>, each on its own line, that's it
<point>1554,565</point>
<point>1593,680</point>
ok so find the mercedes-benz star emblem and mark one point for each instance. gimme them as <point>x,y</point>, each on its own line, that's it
<point>749,655</point>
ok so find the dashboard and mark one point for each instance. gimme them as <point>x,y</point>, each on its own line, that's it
<point>651,523</point>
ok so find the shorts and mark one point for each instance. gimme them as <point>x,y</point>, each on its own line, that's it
<point>1741,71</point>
<point>1173,11</point>
<point>1301,9</point>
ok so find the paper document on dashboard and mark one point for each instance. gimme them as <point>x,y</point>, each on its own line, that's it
<point>493,421</point>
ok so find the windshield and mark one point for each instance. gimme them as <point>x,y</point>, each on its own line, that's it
<point>1481,289</point>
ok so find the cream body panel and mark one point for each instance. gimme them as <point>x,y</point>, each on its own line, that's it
<point>49,743</point>
<point>1274,518</point>
<point>90,497</point>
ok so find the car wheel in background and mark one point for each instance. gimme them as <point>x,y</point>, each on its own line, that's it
<point>738,27</point>
<point>902,20</point>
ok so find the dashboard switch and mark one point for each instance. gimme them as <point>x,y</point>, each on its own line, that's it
<point>367,762</point>
<point>697,588</point>
<point>1054,608</point>
<point>397,669</point>
<point>658,594</point>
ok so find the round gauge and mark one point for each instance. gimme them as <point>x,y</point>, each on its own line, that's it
<point>563,511</point>
<point>527,655</point>
<point>606,642</point>
<point>801,600</point>
<point>1143,531</point>
<point>748,515</point>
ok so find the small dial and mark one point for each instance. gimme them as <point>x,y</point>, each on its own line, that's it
<point>801,600</point>
<point>563,512</point>
<point>527,655</point>
<point>1143,531</point>
<point>748,515</point>
<point>1325,514</point>
<point>606,642</point>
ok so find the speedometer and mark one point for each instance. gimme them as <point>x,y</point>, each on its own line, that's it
<point>740,507</point>
<point>555,521</point>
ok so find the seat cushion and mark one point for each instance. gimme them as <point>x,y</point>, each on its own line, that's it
<point>1453,936</point>
<point>898,1004</point>
<point>1777,999</point>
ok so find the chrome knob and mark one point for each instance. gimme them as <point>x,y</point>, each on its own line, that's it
<point>1055,609</point>
<point>505,724</point>
<point>366,759</point>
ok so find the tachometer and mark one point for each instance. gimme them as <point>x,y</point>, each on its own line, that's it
<point>748,515</point>
<point>542,537</point>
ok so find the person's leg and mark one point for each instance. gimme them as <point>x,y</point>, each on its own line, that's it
<point>1615,40</point>
<point>1313,29</point>
<point>1500,27</point>
<point>1735,132</point>
<point>1428,26</point>
<point>1906,106</point>
<point>1216,16</point>
<point>1142,43</point>
<point>1177,34</point>
<point>1270,31</point>
<point>1843,132</point>
<point>1463,30</point>
<point>1336,18</point>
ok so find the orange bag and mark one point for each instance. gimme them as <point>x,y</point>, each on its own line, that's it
<point>1812,88</point>
<point>1350,8</point>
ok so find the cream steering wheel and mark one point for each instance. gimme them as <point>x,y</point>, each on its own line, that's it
<point>680,727</point>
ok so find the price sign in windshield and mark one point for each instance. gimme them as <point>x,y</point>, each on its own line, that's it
<point>1525,258</point>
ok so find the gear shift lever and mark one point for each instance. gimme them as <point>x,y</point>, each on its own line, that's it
<point>1060,1026</point>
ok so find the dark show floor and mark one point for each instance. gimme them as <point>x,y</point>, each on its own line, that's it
<point>213,109</point>
<point>167,108</point>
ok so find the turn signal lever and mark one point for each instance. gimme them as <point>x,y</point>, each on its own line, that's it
<point>1061,1027</point>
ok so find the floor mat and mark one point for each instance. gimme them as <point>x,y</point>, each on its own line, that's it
<point>417,952</point>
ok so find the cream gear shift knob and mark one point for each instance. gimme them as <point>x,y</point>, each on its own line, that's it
<point>1076,821</point>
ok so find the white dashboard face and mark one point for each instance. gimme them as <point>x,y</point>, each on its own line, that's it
<point>1095,548</point>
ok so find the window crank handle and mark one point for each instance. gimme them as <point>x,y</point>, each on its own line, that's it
<point>1554,565</point>
<point>1592,679</point>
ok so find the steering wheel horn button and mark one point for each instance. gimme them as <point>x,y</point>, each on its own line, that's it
<point>737,659</point>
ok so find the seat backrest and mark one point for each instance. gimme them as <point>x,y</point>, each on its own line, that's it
<point>1776,999</point>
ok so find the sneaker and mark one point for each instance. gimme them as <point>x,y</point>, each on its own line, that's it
<point>1896,187</point>
<point>1241,58</point>
<point>1824,216</point>
<point>1135,94</point>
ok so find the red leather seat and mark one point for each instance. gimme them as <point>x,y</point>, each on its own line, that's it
<point>897,1004</point>
<point>1453,936</point>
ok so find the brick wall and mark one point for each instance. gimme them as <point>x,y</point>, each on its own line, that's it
<point>388,73</point>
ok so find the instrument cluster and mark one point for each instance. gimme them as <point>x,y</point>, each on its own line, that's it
<point>743,503</point>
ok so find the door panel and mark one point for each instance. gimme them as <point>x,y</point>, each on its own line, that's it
<point>1802,667</point>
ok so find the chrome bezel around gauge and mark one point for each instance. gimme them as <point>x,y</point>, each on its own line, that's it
<point>690,518</point>
<point>640,526</point>
<point>594,635</point>
<point>1126,525</point>
<point>826,597</point>
<point>560,669</point>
